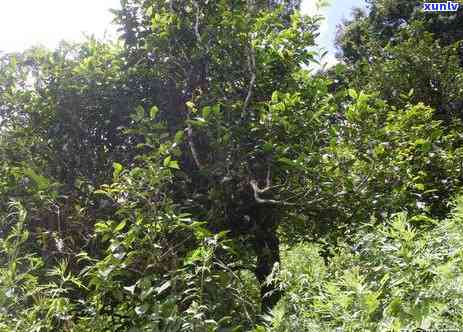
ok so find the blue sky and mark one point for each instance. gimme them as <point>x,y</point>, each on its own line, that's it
<point>334,13</point>
<point>24,23</point>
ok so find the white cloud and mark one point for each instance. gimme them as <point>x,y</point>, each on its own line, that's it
<point>24,23</point>
<point>311,7</point>
<point>329,61</point>
<point>314,7</point>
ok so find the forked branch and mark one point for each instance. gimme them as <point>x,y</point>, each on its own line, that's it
<point>257,191</point>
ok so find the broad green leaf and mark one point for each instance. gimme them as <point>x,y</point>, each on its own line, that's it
<point>352,93</point>
<point>168,162</point>
<point>206,112</point>
<point>153,112</point>
<point>120,226</point>
<point>117,170</point>
<point>41,181</point>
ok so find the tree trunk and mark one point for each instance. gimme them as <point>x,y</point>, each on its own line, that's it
<point>266,246</point>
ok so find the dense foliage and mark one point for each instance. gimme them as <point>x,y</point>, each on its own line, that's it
<point>403,274</point>
<point>152,183</point>
<point>397,48</point>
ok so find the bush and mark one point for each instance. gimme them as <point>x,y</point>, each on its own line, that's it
<point>406,273</point>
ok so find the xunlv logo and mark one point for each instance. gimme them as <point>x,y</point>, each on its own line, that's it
<point>448,6</point>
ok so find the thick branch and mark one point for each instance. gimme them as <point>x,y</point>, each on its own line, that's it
<point>191,144</point>
<point>268,179</point>
<point>258,199</point>
<point>268,183</point>
<point>196,28</point>
<point>252,70</point>
<point>257,191</point>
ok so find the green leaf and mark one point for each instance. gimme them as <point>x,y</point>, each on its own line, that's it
<point>286,161</point>
<point>120,226</point>
<point>275,96</point>
<point>423,145</point>
<point>267,147</point>
<point>168,162</point>
<point>194,256</point>
<point>198,122</point>
<point>362,98</point>
<point>41,181</point>
<point>153,112</point>
<point>179,135</point>
<point>140,112</point>
<point>190,105</point>
<point>117,170</point>
<point>352,93</point>
<point>174,164</point>
<point>419,186</point>
<point>206,111</point>
<point>106,272</point>
<point>102,192</point>
<point>216,108</point>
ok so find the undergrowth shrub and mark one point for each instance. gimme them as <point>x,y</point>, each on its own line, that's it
<point>403,274</point>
